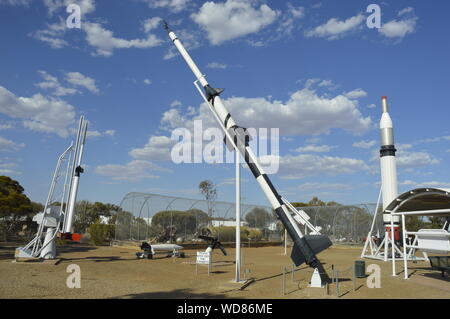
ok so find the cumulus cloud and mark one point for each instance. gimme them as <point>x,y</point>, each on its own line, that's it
<point>398,29</point>
<point>8,169</point>
<point>315,149</point>
<point>175,103</point>
<point>364,144</point>
<point>191,41</point>
<point>52,35</point>
<point>334,28</point>
<point>9,146</point>
<point>86,6</point>
<point>324,186</point>
<point>39,113</point>
<point>233,19</point>
<point>15,2</point>
<point>304,113</point>
<point>173,5</point>
<point>52,83</point>
<point>356,94</point>
<point>408,158</point>
<point>216,65</point>
<point>305,165</point>
<point>158,148</point>
<point>102,40</point>
<point>434,184</point>
<point>80,80</point>
<point>105,43</point>
<point>132,171</point>
<point>99,134</point>
<point>151,24</point>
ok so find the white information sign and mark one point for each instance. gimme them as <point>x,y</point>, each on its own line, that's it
<point>203,258</point>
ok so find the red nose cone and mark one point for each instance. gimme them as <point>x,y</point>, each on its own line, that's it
<point>384,97</point>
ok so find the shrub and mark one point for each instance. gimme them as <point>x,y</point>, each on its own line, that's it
<point>228,233</point>
<point>100,233</point>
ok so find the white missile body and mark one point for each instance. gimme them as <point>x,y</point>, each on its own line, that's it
<point>305,247</point>
<point>387,163</point>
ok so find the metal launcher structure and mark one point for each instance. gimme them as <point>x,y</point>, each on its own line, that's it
<point>306,246</point>
<point>58,213</point>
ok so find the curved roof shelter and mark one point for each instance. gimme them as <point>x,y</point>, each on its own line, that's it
<point>422,201</point>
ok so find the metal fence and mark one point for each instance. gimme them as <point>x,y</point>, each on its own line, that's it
<point>161,218</point>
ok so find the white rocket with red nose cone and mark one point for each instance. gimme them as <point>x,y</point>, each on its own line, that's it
<point>388,166</point>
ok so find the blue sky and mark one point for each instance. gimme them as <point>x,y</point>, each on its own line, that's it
<point>313,69</point>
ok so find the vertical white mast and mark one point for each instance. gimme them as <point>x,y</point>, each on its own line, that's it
<point>76,171</point>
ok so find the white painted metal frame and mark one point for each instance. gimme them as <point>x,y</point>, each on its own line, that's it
<point>414,246</point>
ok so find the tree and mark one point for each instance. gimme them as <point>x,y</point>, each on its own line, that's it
<point>178,222</point>
<point>14,205</point>
<point>315,201</point>
<point>208,189</point>
<point>258,218</point>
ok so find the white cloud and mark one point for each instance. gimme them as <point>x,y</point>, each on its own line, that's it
<point>99,134</point>
<point>324,186</point>
<point>296,12</point>
<point>173,5</point>
<point>400,28</point>
<point>407,158</point>
<point>364,144</point>
<point>110,132</point>
<point>8,169</point>
<point>86,6</point>
<point>39,113</point>
<point>147,81</point>
<point>434,184</point>
<point>232,19</point>
<point>105,43</point>
<point>304,113</point>
<point>15,2</point>
<point>191,41</point>
<point>78,79</point>
<point>52,82</point>
<point>435,139</point>
<point>334,28</point>
<point>158,148</point>
<point>216,65</point>
<point>405,11</point>
<point>5,126</point>
<point>133,171</point>
<point>371,106</point>
<point>413,159</point>
<point>315,149</point>
<point>151,24</point>
<point>356,94</point>
<point>304,165</point>
<point>9,146</point>
<point>175,103</point>
<point>52,35</point>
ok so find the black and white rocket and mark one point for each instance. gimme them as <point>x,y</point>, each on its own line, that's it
<point>388,167</point>
<point>305,246</point>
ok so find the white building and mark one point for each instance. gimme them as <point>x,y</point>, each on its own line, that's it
<point>228,223</point>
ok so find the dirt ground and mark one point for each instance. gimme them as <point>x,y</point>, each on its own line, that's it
<point>114,272</point>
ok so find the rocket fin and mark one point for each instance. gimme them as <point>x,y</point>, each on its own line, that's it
<point>317,243</point>
<point>212,92</point>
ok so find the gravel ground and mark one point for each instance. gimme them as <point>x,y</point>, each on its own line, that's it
<point>114,272</point>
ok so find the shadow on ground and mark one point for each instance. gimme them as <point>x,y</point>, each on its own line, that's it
<point>173,294</point>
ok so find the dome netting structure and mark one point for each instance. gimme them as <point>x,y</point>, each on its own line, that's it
<point>159,218</point>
